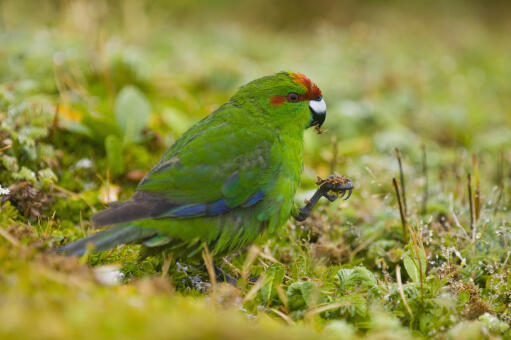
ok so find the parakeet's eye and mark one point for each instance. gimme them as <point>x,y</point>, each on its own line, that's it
<point>292,97</point>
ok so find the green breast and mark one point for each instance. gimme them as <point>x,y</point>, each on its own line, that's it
<point>287,155</point>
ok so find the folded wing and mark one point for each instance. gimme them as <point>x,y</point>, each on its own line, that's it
<point>209,171</point>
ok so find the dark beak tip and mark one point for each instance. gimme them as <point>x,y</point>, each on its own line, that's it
<point>317,118</point>
<point>321,119</point>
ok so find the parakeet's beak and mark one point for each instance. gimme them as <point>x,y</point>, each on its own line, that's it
<point>318,112</point>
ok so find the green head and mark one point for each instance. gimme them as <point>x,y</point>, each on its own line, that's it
<point>285,100</point>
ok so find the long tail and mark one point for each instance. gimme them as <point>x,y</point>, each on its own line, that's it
<point>107,239</point>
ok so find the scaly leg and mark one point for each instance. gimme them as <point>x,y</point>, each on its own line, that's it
<point>334,183</point>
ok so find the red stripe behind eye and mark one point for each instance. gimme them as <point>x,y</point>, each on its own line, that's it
<point>313,92</point>
<point>277,100</point>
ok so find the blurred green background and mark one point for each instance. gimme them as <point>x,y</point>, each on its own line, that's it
<point>393,73</point>
<point>93,92</point>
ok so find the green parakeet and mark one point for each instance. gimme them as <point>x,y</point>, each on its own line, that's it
<point>227,179</point>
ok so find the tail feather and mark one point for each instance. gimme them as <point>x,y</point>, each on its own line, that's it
<point>121,213</point>
<point>142,205</point>
<point>107,239</point>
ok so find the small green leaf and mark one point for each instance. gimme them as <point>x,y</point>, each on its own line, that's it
<point>278,270</point>
<point>46,177</point>
<point>274,276</point>
<point>412,265</point>
<point>411,268</point>
<point>301,294</point>
<point>309,293</point>
<point>359,277</point>
<point>353,304</point>
<point>114,155</point>
<point>463,297</point>
<point>132,110</point>
<point>25,174</point>
<point>265,291</point>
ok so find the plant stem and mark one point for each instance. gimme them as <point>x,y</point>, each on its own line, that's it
<point>401,290</point>
<point>401,211</point>
<point>477,192</point>
<point>425,174</point>
<point>402,181</point>
<point>471,206</point>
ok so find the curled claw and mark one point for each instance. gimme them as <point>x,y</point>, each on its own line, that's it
<point>346,186</point>
<point>331,198</point>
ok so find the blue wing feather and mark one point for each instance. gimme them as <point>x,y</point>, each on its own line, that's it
<point>188,210</point>
<point>253,199</point>
<point>210,209</point>
<point>217,208</point>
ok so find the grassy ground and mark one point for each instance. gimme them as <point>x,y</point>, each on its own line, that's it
<point>76,76</point>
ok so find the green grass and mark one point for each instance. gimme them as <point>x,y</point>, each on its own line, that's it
<point>74,76</point>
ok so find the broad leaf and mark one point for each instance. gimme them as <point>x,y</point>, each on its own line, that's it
<point>301,294</point>
<point>274,276</point>
<point>412,266</point>
<point>132,110</point>
<point>359,277</point>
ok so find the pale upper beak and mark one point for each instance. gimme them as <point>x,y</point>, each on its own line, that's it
<point>318,111</point>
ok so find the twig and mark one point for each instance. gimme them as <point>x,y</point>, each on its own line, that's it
<point>401,291</point>
<point>208,262</point>
<point>471,206</point>
<point>401,212</point>
<point>9,237</point>
<point>477,192</point>
<point>253,252</point>
<point>321,309</point>
<point>402,181</point>
<point>282,315</point>
<point>500,182</point>
<point>425,175</point>
<point>55,123</point>
<point>282,296</point>
<point>7,147</point>
<point>167,261</point>
<point>268,256</point>
<point>459,180</point>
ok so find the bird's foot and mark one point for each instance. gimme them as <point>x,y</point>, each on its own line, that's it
<point>330,188</point>
<point>222,276</point>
